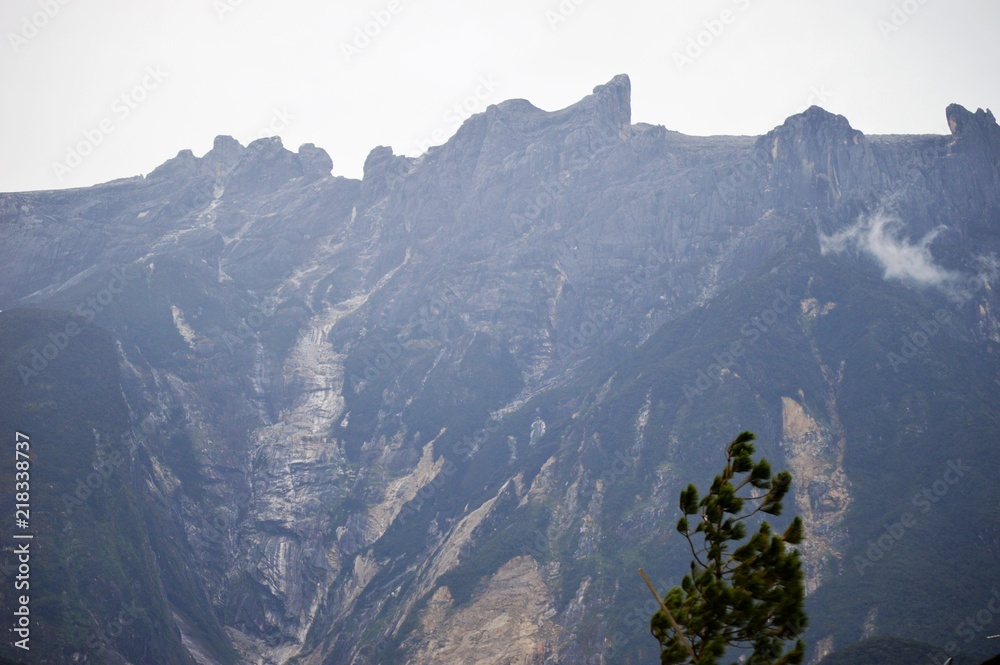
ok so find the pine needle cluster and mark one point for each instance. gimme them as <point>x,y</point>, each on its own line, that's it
<point>747,595</point>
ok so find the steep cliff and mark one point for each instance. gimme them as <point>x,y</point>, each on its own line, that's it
<point>443,413</point>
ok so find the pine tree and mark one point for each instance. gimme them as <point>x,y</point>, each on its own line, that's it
<point>750,597</point>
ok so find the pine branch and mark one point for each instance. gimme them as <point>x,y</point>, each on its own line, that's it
<point>670,617</point>
<point>747,597</point>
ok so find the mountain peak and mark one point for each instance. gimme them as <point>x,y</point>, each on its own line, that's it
<point>316,162</point>
<point>808,134</point>
<point>618,91</point>
<point>612,104</point>
<point>600,119</point>
<point>816,120</point>
<point>961,120</point>
<point>975,129</point>
<point>808,155</point>
<point>224,153</point>
<point>977,136</point>
<point>382,168</point>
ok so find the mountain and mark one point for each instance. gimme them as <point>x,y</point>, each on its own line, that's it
<point>443,413</point>
<point>889,650</point>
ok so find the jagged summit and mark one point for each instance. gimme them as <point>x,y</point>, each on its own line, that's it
<point>817,124</point>
<point>382,168</point>
<point>224,153</point>
<point>608,110</point>
<point>266,156</point>
<point>816,156</point>
<point>315,161</point>
<point>971,130</point>
<point>611,103</point>
<point>601,118</point>
<point>961,119</point>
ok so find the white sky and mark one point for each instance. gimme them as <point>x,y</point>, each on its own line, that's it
<point>280,64</point>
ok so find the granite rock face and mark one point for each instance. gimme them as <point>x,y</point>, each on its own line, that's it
<point>438,414</point>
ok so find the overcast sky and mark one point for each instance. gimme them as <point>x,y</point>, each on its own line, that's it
<point>94,90</point>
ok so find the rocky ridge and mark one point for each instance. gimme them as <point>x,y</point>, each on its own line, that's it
<point>437,414</point>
